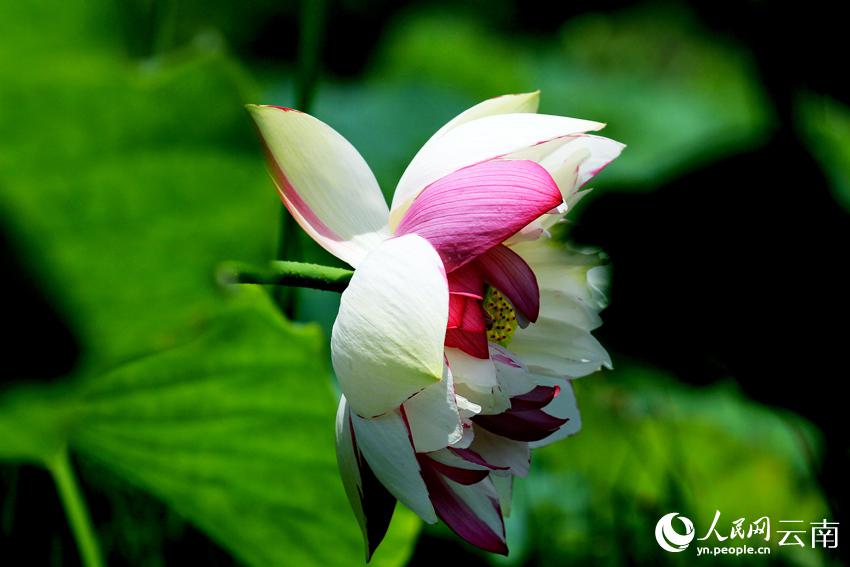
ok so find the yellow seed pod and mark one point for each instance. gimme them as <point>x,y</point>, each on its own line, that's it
<point>502,323</point>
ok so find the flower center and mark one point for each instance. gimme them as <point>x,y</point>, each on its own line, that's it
<point>501,317</point>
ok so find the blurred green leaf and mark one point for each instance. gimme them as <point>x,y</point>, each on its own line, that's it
<point>825,124</point>
<point>651,445</point>
<point>230,429</point>
<point>666,89</point>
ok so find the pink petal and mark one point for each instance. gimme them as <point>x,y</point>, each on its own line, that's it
<point>505,270</point>
<point>472,512</point>
<point>470,211</point>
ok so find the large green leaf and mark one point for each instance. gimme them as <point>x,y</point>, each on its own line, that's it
<point>124,184</point>
<point>232,429</point>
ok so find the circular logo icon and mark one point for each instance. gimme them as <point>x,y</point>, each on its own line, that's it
<point>667,536</point>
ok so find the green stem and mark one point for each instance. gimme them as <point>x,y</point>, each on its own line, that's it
<point>75,509</point>
<point>284,273</point>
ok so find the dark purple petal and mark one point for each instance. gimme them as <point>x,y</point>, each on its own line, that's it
<point>451,505</point>
<point>537,398</point>
<point>520,425</point>
<point>474,458</point>
<point>376,501</point>
<point>457,474</point>
<point>505,270</point>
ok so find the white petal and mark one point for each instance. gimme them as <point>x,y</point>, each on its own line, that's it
<point>554,348</point>
<point>571,285</point>
<point>502,452</point>
<point>449,458</point>
<point>563,406</point>
<point>433,417</point>
<point>468,436</point>
<point>474,142</point>
<point>324,182</point>
<point>503,483</point>
<point>572,160</point>
<point>387,341</point>
<point>386,446</point>
<point>511,372</point>
<point>466,408</point>
<point>505,104</point>
<point>475,379</point>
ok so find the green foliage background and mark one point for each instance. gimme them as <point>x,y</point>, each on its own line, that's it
<point>129,171</point>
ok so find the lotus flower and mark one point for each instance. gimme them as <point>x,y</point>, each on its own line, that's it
<point>463,323</point>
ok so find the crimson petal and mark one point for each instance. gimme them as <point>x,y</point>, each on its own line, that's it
<point>471,334</point>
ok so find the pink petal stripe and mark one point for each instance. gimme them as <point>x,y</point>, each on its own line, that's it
<point>301,211</point>
<point>467,212</point>
<point>376,501</point>
<point>505,270</point>
<point>457,514</point>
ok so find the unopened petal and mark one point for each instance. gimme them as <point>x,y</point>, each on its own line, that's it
<point>323,181</point>
<point>387,341</point>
